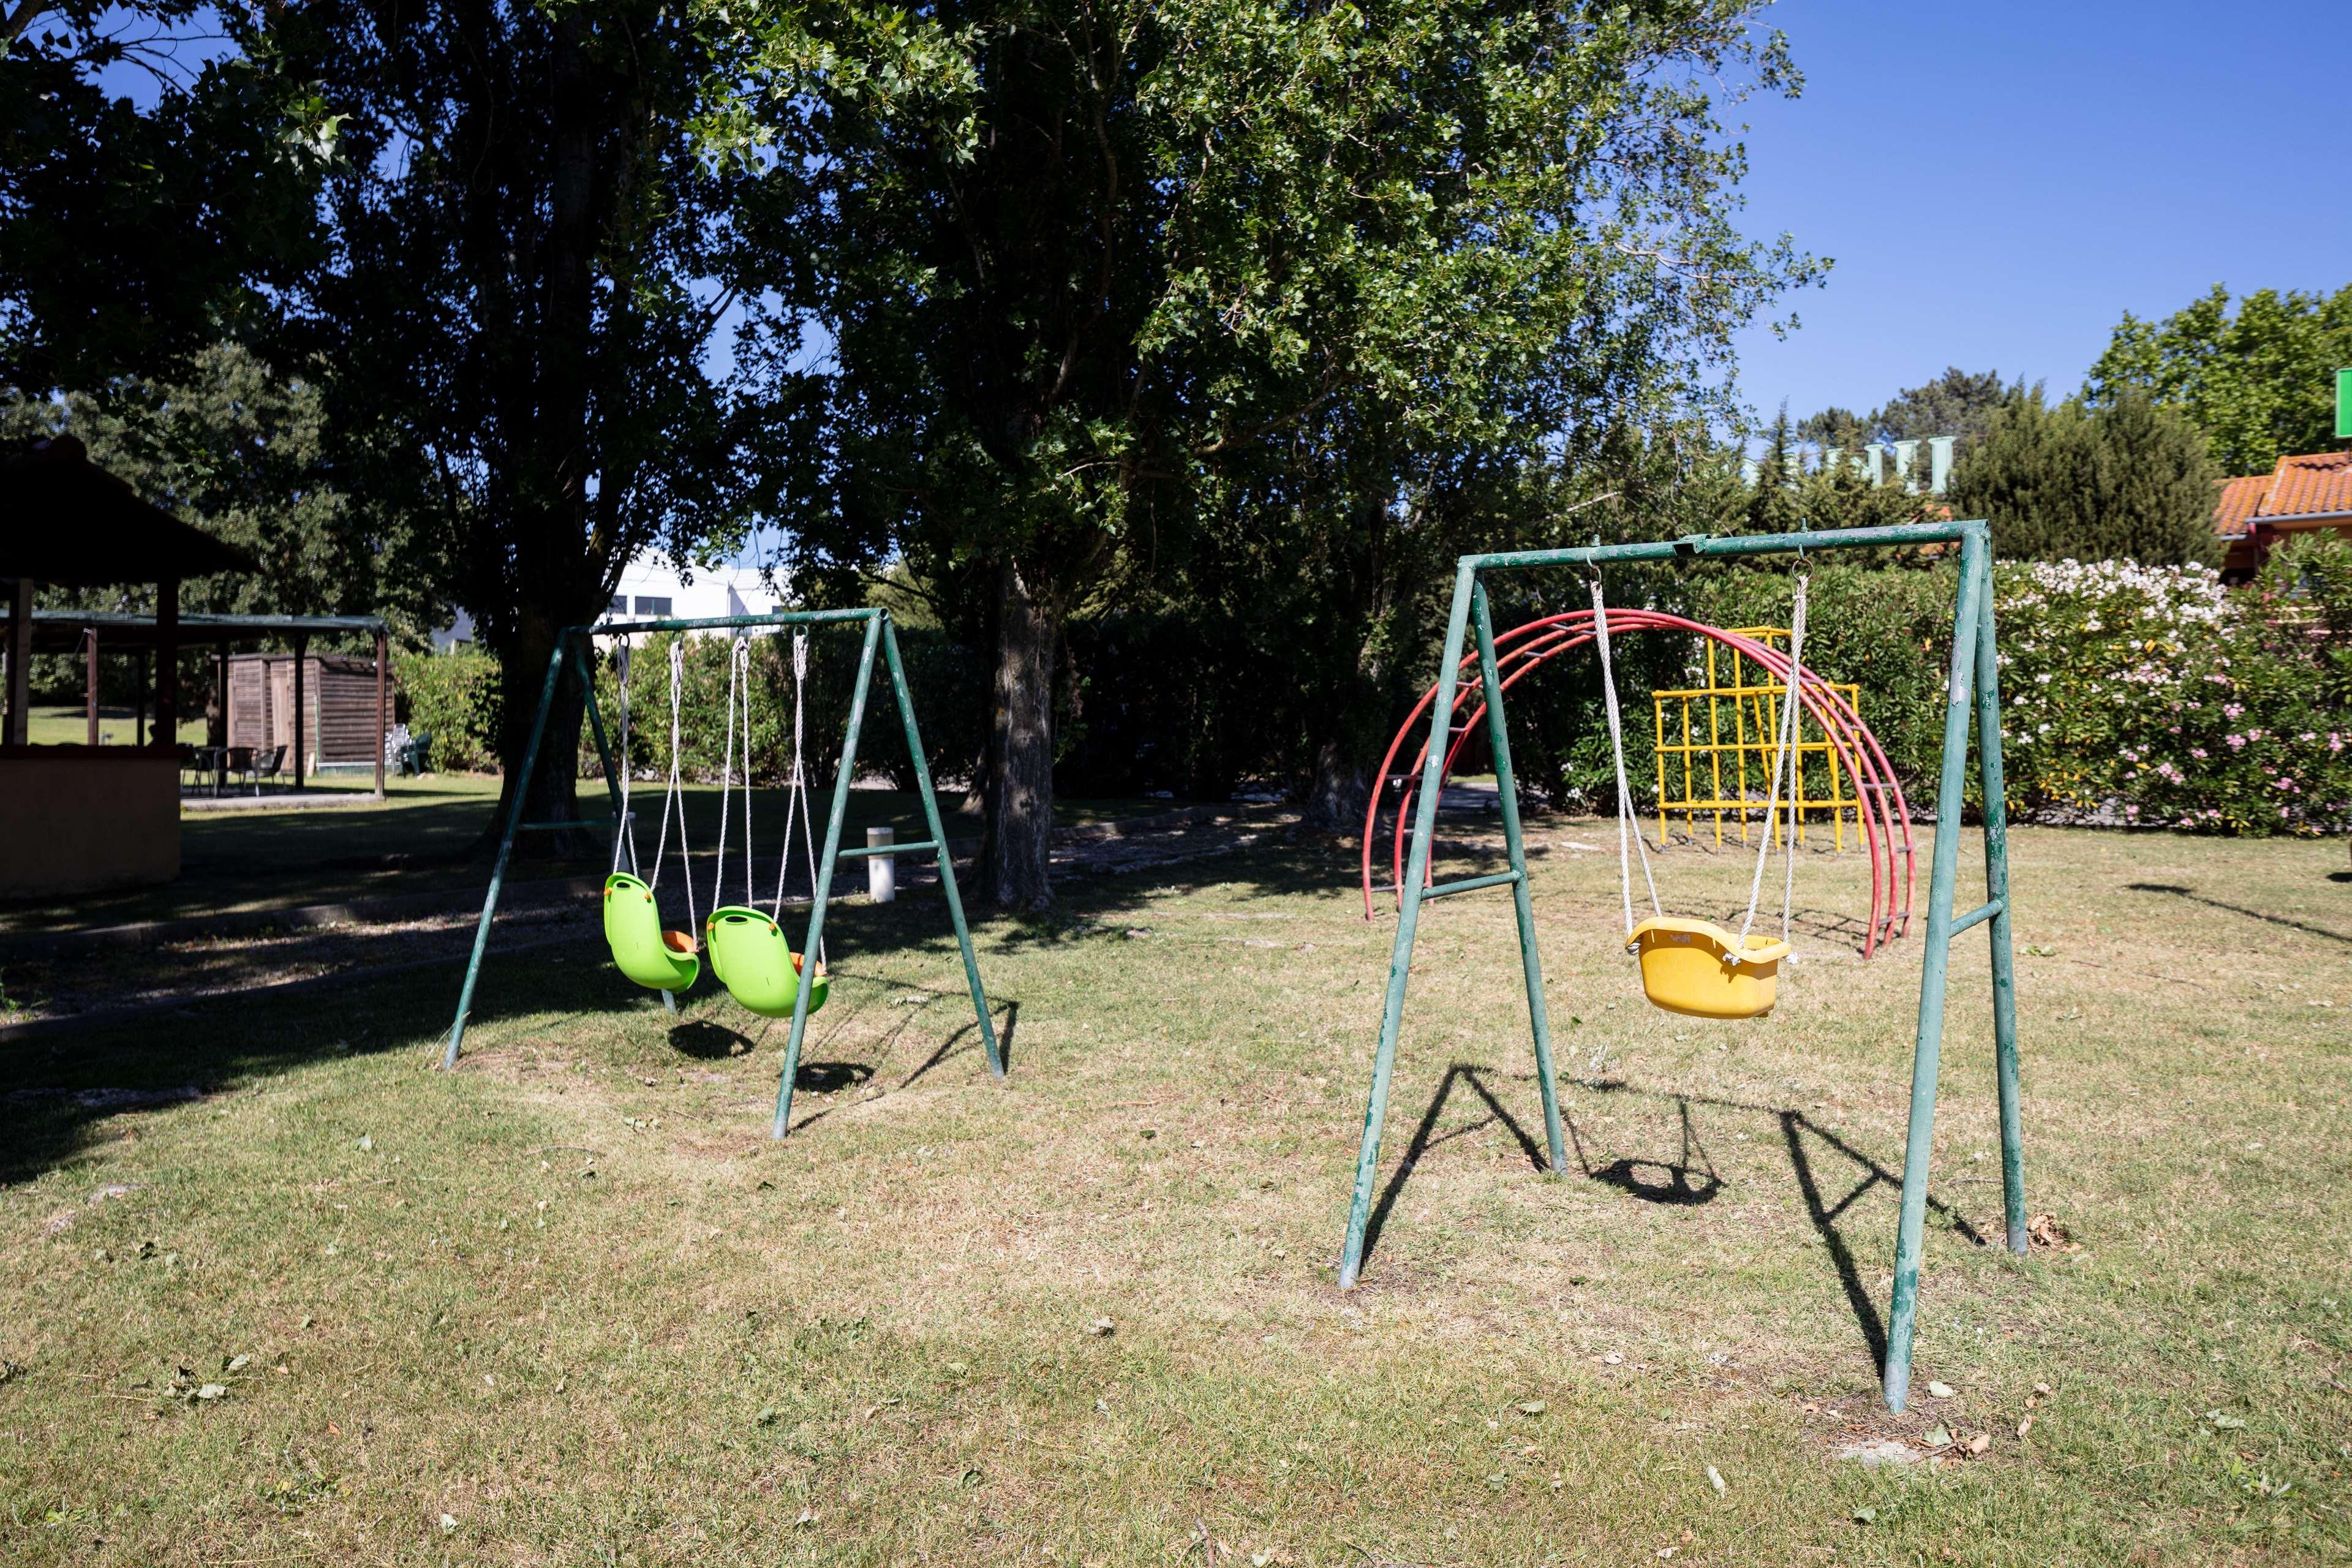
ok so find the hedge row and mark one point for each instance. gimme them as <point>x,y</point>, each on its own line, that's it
<point>2147,695</point>
<point>2130,694</point>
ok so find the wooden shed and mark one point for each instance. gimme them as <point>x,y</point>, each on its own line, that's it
<point>339,698</point>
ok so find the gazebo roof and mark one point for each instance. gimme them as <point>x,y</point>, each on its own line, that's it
<point>65,520</point>
<point>60,631</point>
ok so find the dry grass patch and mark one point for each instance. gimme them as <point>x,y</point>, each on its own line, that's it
<point>570,1305</point>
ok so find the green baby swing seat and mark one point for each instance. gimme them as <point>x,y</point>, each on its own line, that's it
<point>752,960</point>
<point>654,958</point>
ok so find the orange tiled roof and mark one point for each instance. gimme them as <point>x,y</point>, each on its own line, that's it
<point>2317,484</point>
<point>2241,499</point>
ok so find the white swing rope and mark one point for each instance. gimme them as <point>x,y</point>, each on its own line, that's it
<point>1626,826</point>
<point>796,798</point>
<point>674,796</point>
<point>1783,748</point>
<point>628,828</point>
<point>738,687</point>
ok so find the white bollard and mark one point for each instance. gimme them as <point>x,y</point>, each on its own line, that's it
<point>881,870</point>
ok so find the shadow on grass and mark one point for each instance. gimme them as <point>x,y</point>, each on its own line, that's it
<point>1689,1179</point>
<point>1683,1183</point>
<point>1426,1138</point>
<point>708,1040</point>
<point>58,1094</point>
<point>2194,897</point>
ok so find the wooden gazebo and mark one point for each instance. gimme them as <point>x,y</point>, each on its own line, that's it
<point>75,818</point>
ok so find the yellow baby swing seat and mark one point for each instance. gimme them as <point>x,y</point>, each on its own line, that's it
<point>1687,967</point>
<point>1691,966</point>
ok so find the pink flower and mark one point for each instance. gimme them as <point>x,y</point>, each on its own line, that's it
<point>2198,752</point>
<point>2237,742</point>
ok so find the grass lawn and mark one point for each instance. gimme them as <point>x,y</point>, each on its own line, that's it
<point>419,839</point>
<point>70,726</point>
<point>569,1305</point>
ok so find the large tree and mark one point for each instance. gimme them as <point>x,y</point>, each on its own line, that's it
<point>2258,379</point>
<point>521,286</point>
<point>1081,265</point>
<point>1958,402</point>
<point>134,229</point>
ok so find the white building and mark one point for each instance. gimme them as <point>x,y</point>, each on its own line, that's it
<point>652,588</point>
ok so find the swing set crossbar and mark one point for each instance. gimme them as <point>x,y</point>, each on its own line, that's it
<point>1972,690</point>
<point>571,655</point>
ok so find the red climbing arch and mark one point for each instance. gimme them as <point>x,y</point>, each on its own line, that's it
<point>1885,816</point>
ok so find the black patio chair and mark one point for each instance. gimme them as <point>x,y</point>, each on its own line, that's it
<point>267,765</point>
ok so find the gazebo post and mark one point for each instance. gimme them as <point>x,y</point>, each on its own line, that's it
<point>90,681</point>
<point>16,725</point>
<point>381,715</point>
<point>139,697</point>
<point>301,646</point>
<point>167,663</point>
<point>220,778</point>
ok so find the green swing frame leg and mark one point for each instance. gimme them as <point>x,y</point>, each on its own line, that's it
<point>457,1036</point>
<point>1975,673</point>
<point>1974,684</point>
<point>571,653</point>
<point>877,631</point>
<point>1506,791</point>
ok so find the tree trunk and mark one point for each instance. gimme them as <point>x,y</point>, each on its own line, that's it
<point>1336,796</point>
<point>555,783</point>
<point>1018,815</point>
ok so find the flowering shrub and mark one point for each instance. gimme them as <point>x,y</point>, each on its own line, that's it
<point>2156,695</point>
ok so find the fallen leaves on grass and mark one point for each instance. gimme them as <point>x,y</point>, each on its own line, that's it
<point>2043,1230</point>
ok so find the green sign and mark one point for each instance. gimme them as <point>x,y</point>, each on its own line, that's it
<point>2344,405</point>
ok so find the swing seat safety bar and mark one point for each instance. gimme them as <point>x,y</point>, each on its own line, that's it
<point>1972,690</point>
<point>573,647</point>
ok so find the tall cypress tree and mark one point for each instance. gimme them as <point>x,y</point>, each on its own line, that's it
<point>2130,480</point>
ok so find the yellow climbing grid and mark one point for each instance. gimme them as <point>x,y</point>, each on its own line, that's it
<point>1734,718</point>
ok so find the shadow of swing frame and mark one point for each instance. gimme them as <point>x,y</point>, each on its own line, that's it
<point>1973,684</point>
<point>571,656</point>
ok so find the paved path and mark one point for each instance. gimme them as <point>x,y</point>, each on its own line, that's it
<point>104,978</point>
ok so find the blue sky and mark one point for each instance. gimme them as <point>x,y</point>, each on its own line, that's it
<point>1999,182</point>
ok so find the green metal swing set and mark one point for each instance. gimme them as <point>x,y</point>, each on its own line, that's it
<point>1974,674</point>
<point>746,945</point>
